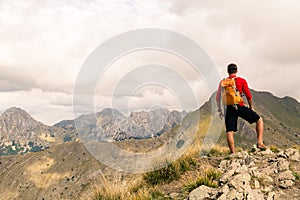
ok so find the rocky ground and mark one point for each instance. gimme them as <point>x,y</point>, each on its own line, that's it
<point>256,175</point>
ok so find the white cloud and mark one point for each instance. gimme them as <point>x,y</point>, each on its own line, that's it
<point>44,43</point>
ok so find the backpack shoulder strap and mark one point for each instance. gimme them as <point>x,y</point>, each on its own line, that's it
<point>234,86</point>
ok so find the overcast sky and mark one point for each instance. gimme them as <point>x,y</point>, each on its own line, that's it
<point>43,45</point>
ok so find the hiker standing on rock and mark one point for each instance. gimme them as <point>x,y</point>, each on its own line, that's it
<point>230,91</point>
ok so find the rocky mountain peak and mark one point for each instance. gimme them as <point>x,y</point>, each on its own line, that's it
<point>17,121</point>
<point>21,133</point>
<point>15,112</point>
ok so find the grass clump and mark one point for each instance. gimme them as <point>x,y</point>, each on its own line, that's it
<point>297,176</point>
<point>185,163</point>
<point>166,174</point>
<point>296,147</point>
<point>210,179</point>
<point>140,193</point>
<point>103,195</point>
<point>217,151</point>
<point>261,180</point>
<point>170,172</point>
<point>274,149</point>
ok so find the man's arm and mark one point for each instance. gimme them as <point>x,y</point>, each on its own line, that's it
<point>218,98</point>
<point>247,93</point>
<point>250,104</point>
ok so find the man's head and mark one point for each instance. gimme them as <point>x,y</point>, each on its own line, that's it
<point>232,68</point>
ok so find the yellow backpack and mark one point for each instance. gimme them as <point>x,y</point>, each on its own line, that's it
<point>230,95</point>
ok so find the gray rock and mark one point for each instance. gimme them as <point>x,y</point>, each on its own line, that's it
<point>271,169</point>
<point>235,195</point>
<point>225,189</point>
<point>295,156</point>
<point>286,184</point>
<point>271,196</point>
<point>242,169</point>
<point>223,197</point>
<point>202,192</point>
<point>256,184</point>
<point>281,154</point>
<point>289,152</point>
<point>283,165</point>
<point>174,195</point>
<point>253,171</point>
<point>241,182</point>
<point>286,175</point>
<point>223,165</point>
<point>266,152</point>
<point>253,195</point>
<point>232,168</point>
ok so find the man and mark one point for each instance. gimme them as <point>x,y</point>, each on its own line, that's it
<point>238,109</point>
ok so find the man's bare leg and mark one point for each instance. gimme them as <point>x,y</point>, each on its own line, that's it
<point>260,131</point>
<point>230,141</point>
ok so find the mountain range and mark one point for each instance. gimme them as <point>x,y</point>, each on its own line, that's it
<point>55,164</point>
<point>20,133</point>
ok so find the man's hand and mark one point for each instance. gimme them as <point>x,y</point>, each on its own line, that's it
<point>250,104</point>
<point>220,113</point>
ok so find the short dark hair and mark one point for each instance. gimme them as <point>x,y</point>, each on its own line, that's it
<point>232,68</point>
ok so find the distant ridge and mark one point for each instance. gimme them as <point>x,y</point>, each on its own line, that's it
<point>20,133</point>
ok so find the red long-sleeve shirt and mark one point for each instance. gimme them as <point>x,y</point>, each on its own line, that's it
<point>242,87</point>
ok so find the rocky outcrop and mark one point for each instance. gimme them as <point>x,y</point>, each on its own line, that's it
<point>20,133</point>
<point>112,125</point>
<point>257,175</point>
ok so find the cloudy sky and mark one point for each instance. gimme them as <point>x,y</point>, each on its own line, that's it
<point>43,45</point>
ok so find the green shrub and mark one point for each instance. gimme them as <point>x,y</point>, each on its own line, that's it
<point>210,179</point>
<point>185,163</point>
<point>213,174</point>
<point>274,149</point>
<point>170,172</point>
<point>107,196</point>
<point>215,152</point>
<point>166,174</point>
<point>297,176</point>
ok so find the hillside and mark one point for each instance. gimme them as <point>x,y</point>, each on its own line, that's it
<point>66,171</point>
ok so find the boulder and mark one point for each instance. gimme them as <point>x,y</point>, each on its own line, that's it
<point>202,192</point>
<point>286,175</point>
<point>291,151</point>
<point>295,156</point>
<point>240,182</point>
<point>286,184</point>
<point>270,196</point>
<point>283,165</point>
<point>253,195</point>
<point>233,194</point>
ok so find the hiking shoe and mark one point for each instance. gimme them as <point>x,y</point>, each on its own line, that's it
<point>262,147</point>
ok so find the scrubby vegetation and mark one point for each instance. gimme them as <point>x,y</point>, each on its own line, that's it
<point>274,149</point>
<point>148,187</point>
<point>171,171</point>
<point>210,179</point>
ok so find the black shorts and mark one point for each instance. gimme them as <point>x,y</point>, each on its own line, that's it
<point>232,114</point>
